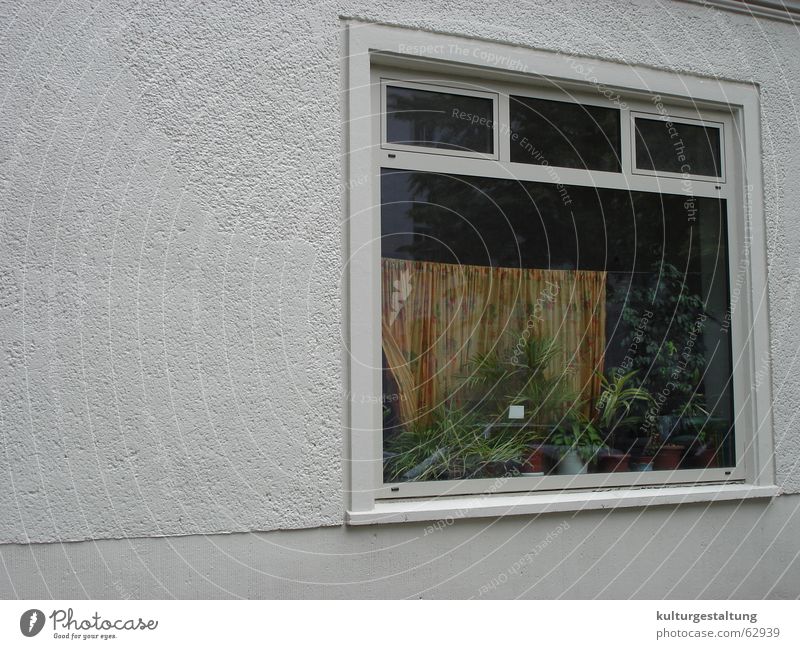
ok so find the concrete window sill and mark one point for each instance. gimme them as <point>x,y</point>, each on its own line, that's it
<point>406,511</point>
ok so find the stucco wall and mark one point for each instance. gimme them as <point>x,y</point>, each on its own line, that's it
<point>171,247</point>
<point>722,551</point>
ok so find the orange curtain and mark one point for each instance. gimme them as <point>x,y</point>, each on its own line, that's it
<point>436,317</point>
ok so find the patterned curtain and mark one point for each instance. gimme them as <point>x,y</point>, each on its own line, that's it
<point>436,317</point>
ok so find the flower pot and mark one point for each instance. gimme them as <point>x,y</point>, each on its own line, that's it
<point>668,457</point>
<point>642,463</point>
<point>705,459</point>
<point>570,463</point>
<point>535,462</point>
<point>613,463</point>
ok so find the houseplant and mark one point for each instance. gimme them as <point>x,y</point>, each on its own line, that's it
<point>618,399</point>
<point>534,458</point>
<point>667,457</point>
<point>457,443</point>
<point>495,453</point>
<point>428,451</point>
<point>704,451</point>
<point>705,447</point>
<point>521,374</point>
<point>683,433</point>
<point>663,454</point>
<point>577,441</point>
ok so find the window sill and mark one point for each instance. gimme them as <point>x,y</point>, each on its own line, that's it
<point>408,511</point>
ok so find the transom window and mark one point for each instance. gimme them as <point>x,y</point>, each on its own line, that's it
<point>443,119</point>
<point>677,147</point>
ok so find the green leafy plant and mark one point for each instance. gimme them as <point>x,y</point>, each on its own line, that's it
<point>686,425</point>
<point>521,374</point>
<point>501,446</point>
<point>424,451</point>
<point>579,435</point>
<point>476,433</point>
<point>704,427</point>
<point>618,398</point>
<point>415,454</point>
<point>454,436</point>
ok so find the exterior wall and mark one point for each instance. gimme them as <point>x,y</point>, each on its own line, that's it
<point>722,551</point>
<point>171,313</point>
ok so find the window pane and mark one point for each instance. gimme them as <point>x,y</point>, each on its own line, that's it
<point>677,147</point>
<point>439,119</point>
<point>564,134</point>
<point>514,315</point>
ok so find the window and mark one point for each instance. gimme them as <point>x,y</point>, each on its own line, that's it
<point>548,291</point>
<point>566,133</point>
<point>665,146</point>
<point>430,117</point>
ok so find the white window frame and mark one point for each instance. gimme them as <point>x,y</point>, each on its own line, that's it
<point>378,51</point>
<point>675,119</point>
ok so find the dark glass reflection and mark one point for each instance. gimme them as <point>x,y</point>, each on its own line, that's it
<point>666,302</point>
<point>564,134</point>
<point>677,148</point>
<point>439,119</point>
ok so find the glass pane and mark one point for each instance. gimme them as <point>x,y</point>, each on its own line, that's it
<point>533,328</point>
<point>439,119</point>
<point>678,148</point>
<point>564,134</point>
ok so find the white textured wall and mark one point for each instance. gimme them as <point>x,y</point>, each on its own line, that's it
<point>171,245</point>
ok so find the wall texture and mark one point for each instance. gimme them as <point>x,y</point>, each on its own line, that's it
<point>172,249</point>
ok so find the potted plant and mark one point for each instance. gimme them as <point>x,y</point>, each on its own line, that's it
<point>520,374</point>
<point>705,457</point>
<point>495,453</point>
<point>415,454</point>
<point>705,447</point>
<point>434,450</point>
<point>642,461</point>
<point>644,450</point>
<point>456,444</point>
<point>668,457</point>
<point>618,398</point>
<point>660,451</point>
<point>684,432</point>
<point>702,433</point>
<point>577,444</point>
<point>534,458</point>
